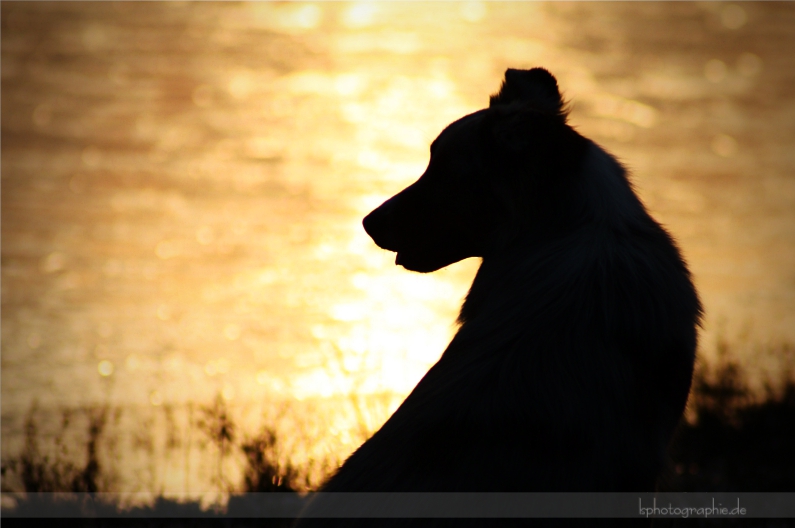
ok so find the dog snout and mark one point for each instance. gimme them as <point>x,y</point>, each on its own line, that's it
<point>377,224</point>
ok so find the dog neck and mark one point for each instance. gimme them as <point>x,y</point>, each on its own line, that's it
<point>551,257</point>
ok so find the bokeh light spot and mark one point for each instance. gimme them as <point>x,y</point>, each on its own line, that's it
<point>360,14</point>
<point>34,341</point>
<point>210,368</point>
<point>167,249</point>
<point>724,145</point>
<point>232,331</point>
<point>164,312</point>
<point>205,235</point>
<point>473,11</point>
<point>303,17</point>
<point>119,74</point>
<point>349,84</point>
<point>263,148</point>
<point>733,16</point>
<point>155,398</point>
<point>94,37</point>
<point>105,368</point>
<point>132,363</point>
<point>53,262</point>
<point>91,156</point>
<point>715,70</point>
<point>240,85</point>
<point>633,112</point>
<point>222,365</point>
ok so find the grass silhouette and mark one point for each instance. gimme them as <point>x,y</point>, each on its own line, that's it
<point>735,440</point>
<point>740,441</point>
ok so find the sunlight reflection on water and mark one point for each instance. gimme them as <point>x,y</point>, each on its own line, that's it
<point>183,183</point>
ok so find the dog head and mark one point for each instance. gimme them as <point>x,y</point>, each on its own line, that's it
<point>497,169</point>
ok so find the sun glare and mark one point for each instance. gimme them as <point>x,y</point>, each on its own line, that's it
<point>184,185</point>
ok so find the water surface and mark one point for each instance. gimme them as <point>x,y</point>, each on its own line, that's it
<point>183,186</point>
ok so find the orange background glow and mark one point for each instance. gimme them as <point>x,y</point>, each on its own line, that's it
<point>183,186</point>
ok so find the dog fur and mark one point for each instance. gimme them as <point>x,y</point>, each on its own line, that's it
<point>574,357</point>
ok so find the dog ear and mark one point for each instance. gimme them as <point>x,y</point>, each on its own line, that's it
<point>536,88</point>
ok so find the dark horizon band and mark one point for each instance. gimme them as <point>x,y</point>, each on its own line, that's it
<point>409,505</point>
